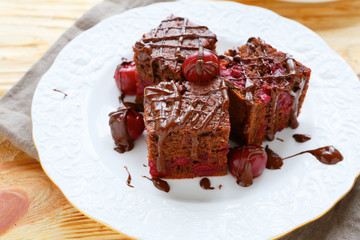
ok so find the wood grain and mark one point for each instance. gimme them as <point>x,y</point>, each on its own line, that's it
<point>50,215</point>
<point>28,28</point>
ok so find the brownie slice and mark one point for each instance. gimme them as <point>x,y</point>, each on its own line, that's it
<point>159,54</point>
<point>267,89</point>
<point>188,129</point>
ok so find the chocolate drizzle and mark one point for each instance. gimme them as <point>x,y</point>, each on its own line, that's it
<point>173,106</point>
<point>327,155</point>
<point>128,181</point>
<point>118,124</point>
<point>301,137</point>
<point>159,184</point>
<point>56,90</point>
<point>245,179</point>
<point>170,44</point>
<point>276,71</point>
<point>118,127</point>
<point>206,184</point>
<point>274,161</point>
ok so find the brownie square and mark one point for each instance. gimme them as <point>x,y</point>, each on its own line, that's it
<point>188,129</point>
<point>267,90</point>
<point>159,54</point>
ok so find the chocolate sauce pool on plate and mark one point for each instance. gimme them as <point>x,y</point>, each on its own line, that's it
<point>206,184</point>
<point>274,160</point>
<point>301,137</point>
<point>327,155</point>
<point>128,181</point>
<point>56,90</point>
<point>159,184</point>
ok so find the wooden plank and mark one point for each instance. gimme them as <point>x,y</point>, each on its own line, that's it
<point>50,215</point>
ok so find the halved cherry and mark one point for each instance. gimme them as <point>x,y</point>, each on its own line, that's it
<point>135,124</point>
<point>126,78</point>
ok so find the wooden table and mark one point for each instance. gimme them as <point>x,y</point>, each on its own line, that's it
<point>28,28</point>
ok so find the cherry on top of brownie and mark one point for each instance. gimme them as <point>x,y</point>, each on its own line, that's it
<point>181,114</point>
<point>159,54</point>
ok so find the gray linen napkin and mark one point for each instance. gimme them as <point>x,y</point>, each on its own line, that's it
<point>342,222</point>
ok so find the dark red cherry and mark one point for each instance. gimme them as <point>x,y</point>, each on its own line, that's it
<point>254,154</point>
<point>126,78</point>
<point>201,66</point>
<point>135,124</point>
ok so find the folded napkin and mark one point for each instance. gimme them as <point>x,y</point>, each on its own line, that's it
<point>342,222</point>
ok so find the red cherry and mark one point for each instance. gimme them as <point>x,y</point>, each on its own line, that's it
<point>201,66</point>
<point>135,124</point>
<point>254,154</point>
<point>126,78</point>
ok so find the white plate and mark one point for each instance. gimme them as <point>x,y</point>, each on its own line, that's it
<point>76,150</point>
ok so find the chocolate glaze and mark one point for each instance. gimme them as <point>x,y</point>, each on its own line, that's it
<point>119,130</point>
<point>174,105</point>
<point>301,137</point>
<point>292,82</point>
<point>172,33</point>
<point>327,155</point>
<point>205,184</point>
<point>274,160</point>
<point>56,90</point>
<point>128,181</point>
<point>246,177</point>
<point>159,184</point>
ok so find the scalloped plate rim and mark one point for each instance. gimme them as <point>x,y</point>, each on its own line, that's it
<point>108,20</point>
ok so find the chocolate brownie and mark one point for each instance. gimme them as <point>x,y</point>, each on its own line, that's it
<point>159,54</point>
<point>267,89</point>
<point>188,129</point>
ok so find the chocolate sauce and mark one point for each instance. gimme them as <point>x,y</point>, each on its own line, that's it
<point>281,140</point>
<point>301,137</point>
<point>327,155</point>
<point>118,124</point>
<point>205,184</point>
<point>144,165</point>
<point>174,106</point>
<point>119,130</point>
<point>246,177</point>
<point>220,186</point>
<point>159,184</point>
<point>65,95</point>
<point>173,33</point>
<point>274,160</point>
<point>128,181</point>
